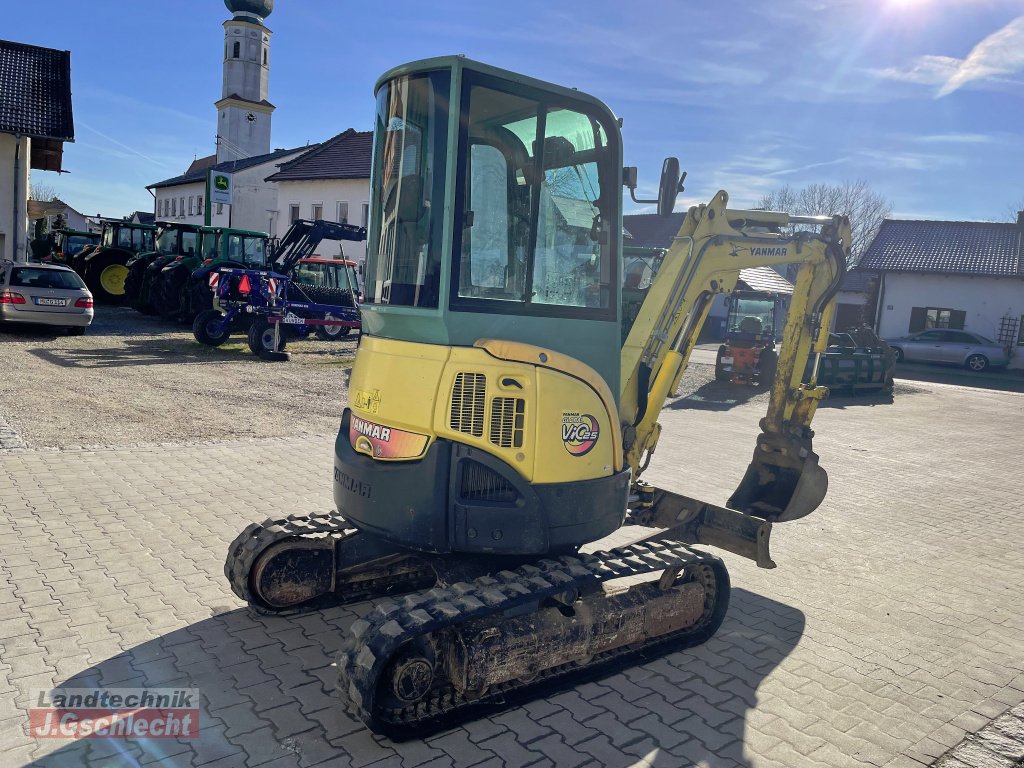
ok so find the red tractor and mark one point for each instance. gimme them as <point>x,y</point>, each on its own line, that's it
<point>748,355</point>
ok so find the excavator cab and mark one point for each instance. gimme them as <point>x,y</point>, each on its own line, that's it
<point>491,317</point>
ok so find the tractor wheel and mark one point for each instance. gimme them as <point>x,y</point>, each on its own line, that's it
<point>332,332</point>
<point>200,297</point>
<point>210,329</point>
<point>261,341</point>
<point>720,373</point>
<point>133,283</point>
<point>171,284</point>
<point>105,277</point>
<point>767,365</point>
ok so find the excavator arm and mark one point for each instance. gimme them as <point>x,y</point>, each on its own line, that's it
<point>783,481</point>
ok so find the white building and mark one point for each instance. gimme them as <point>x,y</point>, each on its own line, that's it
<point>330,182</point>
<point>35,121</point>
<point>966,275</point>
<point>184,198</point>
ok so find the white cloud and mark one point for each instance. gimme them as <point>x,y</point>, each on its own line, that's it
<point>787,171</point>
<point>1001,53</point>
<point>926,70</point>
<point>956,138</point>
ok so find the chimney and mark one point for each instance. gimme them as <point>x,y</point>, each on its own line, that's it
<point>1020,219</point>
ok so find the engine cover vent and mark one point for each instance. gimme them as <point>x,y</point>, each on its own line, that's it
<point>508,416</point>
<point>468,399</point>
<point>481,483</point>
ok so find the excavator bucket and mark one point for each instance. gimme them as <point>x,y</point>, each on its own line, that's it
<point>783,481</point>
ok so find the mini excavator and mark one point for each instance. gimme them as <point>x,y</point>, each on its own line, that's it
<point>501,415</point>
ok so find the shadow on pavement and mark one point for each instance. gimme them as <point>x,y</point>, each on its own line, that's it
<point>717,396</point>
<point>1001,380</point>
<point>164,351</point>
<point>267,692</point>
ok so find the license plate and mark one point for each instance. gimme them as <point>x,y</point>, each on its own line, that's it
<point>726,361</point>
<point>50,302</point>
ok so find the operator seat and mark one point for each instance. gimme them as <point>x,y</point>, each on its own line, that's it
<point>750,325</point>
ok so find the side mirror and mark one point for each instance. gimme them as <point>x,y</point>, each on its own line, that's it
<point>669,188</point>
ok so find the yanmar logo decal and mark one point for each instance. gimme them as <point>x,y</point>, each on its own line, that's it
<point>580,432</point>
<point>382,442</point>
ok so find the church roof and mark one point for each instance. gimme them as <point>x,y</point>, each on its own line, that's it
<point>197,171</point>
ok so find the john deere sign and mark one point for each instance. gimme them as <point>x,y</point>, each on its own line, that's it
<point>220,187</point>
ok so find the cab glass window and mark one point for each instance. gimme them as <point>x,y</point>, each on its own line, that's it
<point>254,251</point>
<point>189,243</point>
<point>210,242</point>
<point>407,190</point>
<point>535,206</point>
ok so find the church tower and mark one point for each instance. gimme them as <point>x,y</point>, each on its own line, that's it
<point>243,112</point>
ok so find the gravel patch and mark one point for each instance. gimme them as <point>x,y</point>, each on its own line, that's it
<point>138,380</point>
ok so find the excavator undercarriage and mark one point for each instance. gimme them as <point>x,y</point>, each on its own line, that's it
<point>502,411</point>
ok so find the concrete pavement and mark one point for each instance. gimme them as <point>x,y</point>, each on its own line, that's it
<point>892,628</point>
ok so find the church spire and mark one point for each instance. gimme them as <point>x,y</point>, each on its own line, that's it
<point>244,111</point>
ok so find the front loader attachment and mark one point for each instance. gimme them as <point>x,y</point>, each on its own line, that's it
<point>783,481</point>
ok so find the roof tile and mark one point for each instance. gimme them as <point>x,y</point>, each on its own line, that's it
<point>946,247</point>
<point>346,156</point>
<point>35,91</point>
<point>197,170</point>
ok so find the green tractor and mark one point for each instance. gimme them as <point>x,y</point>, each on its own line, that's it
<point>177,294</point>
<point>104,267</point>
<point>68,243</point>
<point>172,240</point>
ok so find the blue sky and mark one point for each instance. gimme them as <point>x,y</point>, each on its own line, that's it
<point>924,99</point>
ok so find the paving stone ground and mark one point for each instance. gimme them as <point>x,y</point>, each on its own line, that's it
<point>892,629</point>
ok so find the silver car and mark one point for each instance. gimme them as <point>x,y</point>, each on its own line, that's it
<point>945,345</point>
<point>49,294</point>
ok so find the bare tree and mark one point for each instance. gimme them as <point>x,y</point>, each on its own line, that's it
<point>865,207</point>
<point>42,192</point>
<point>1014,209</point>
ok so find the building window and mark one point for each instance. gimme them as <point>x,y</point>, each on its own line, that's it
<point>264,57</point>
<point>199,204</point>
<point>174,206</point>
<point>236,52</point>
<point>191,205</point>
<point>318,211</point>
<point>923,318</point>
<point>293,213</point>
<point>342,213</point>
<point>366,215</point>
<point>182,205</point>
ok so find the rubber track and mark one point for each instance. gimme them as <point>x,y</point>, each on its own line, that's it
<point>257,537</point>
<point>374,641</point>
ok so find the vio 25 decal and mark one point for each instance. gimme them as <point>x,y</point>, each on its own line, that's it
<point>579,433</point>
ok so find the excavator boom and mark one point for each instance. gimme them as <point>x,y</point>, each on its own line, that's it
<point>714,243</point>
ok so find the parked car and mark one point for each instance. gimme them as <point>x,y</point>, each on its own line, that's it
<point>945,345</point>
<point>48,294</point>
